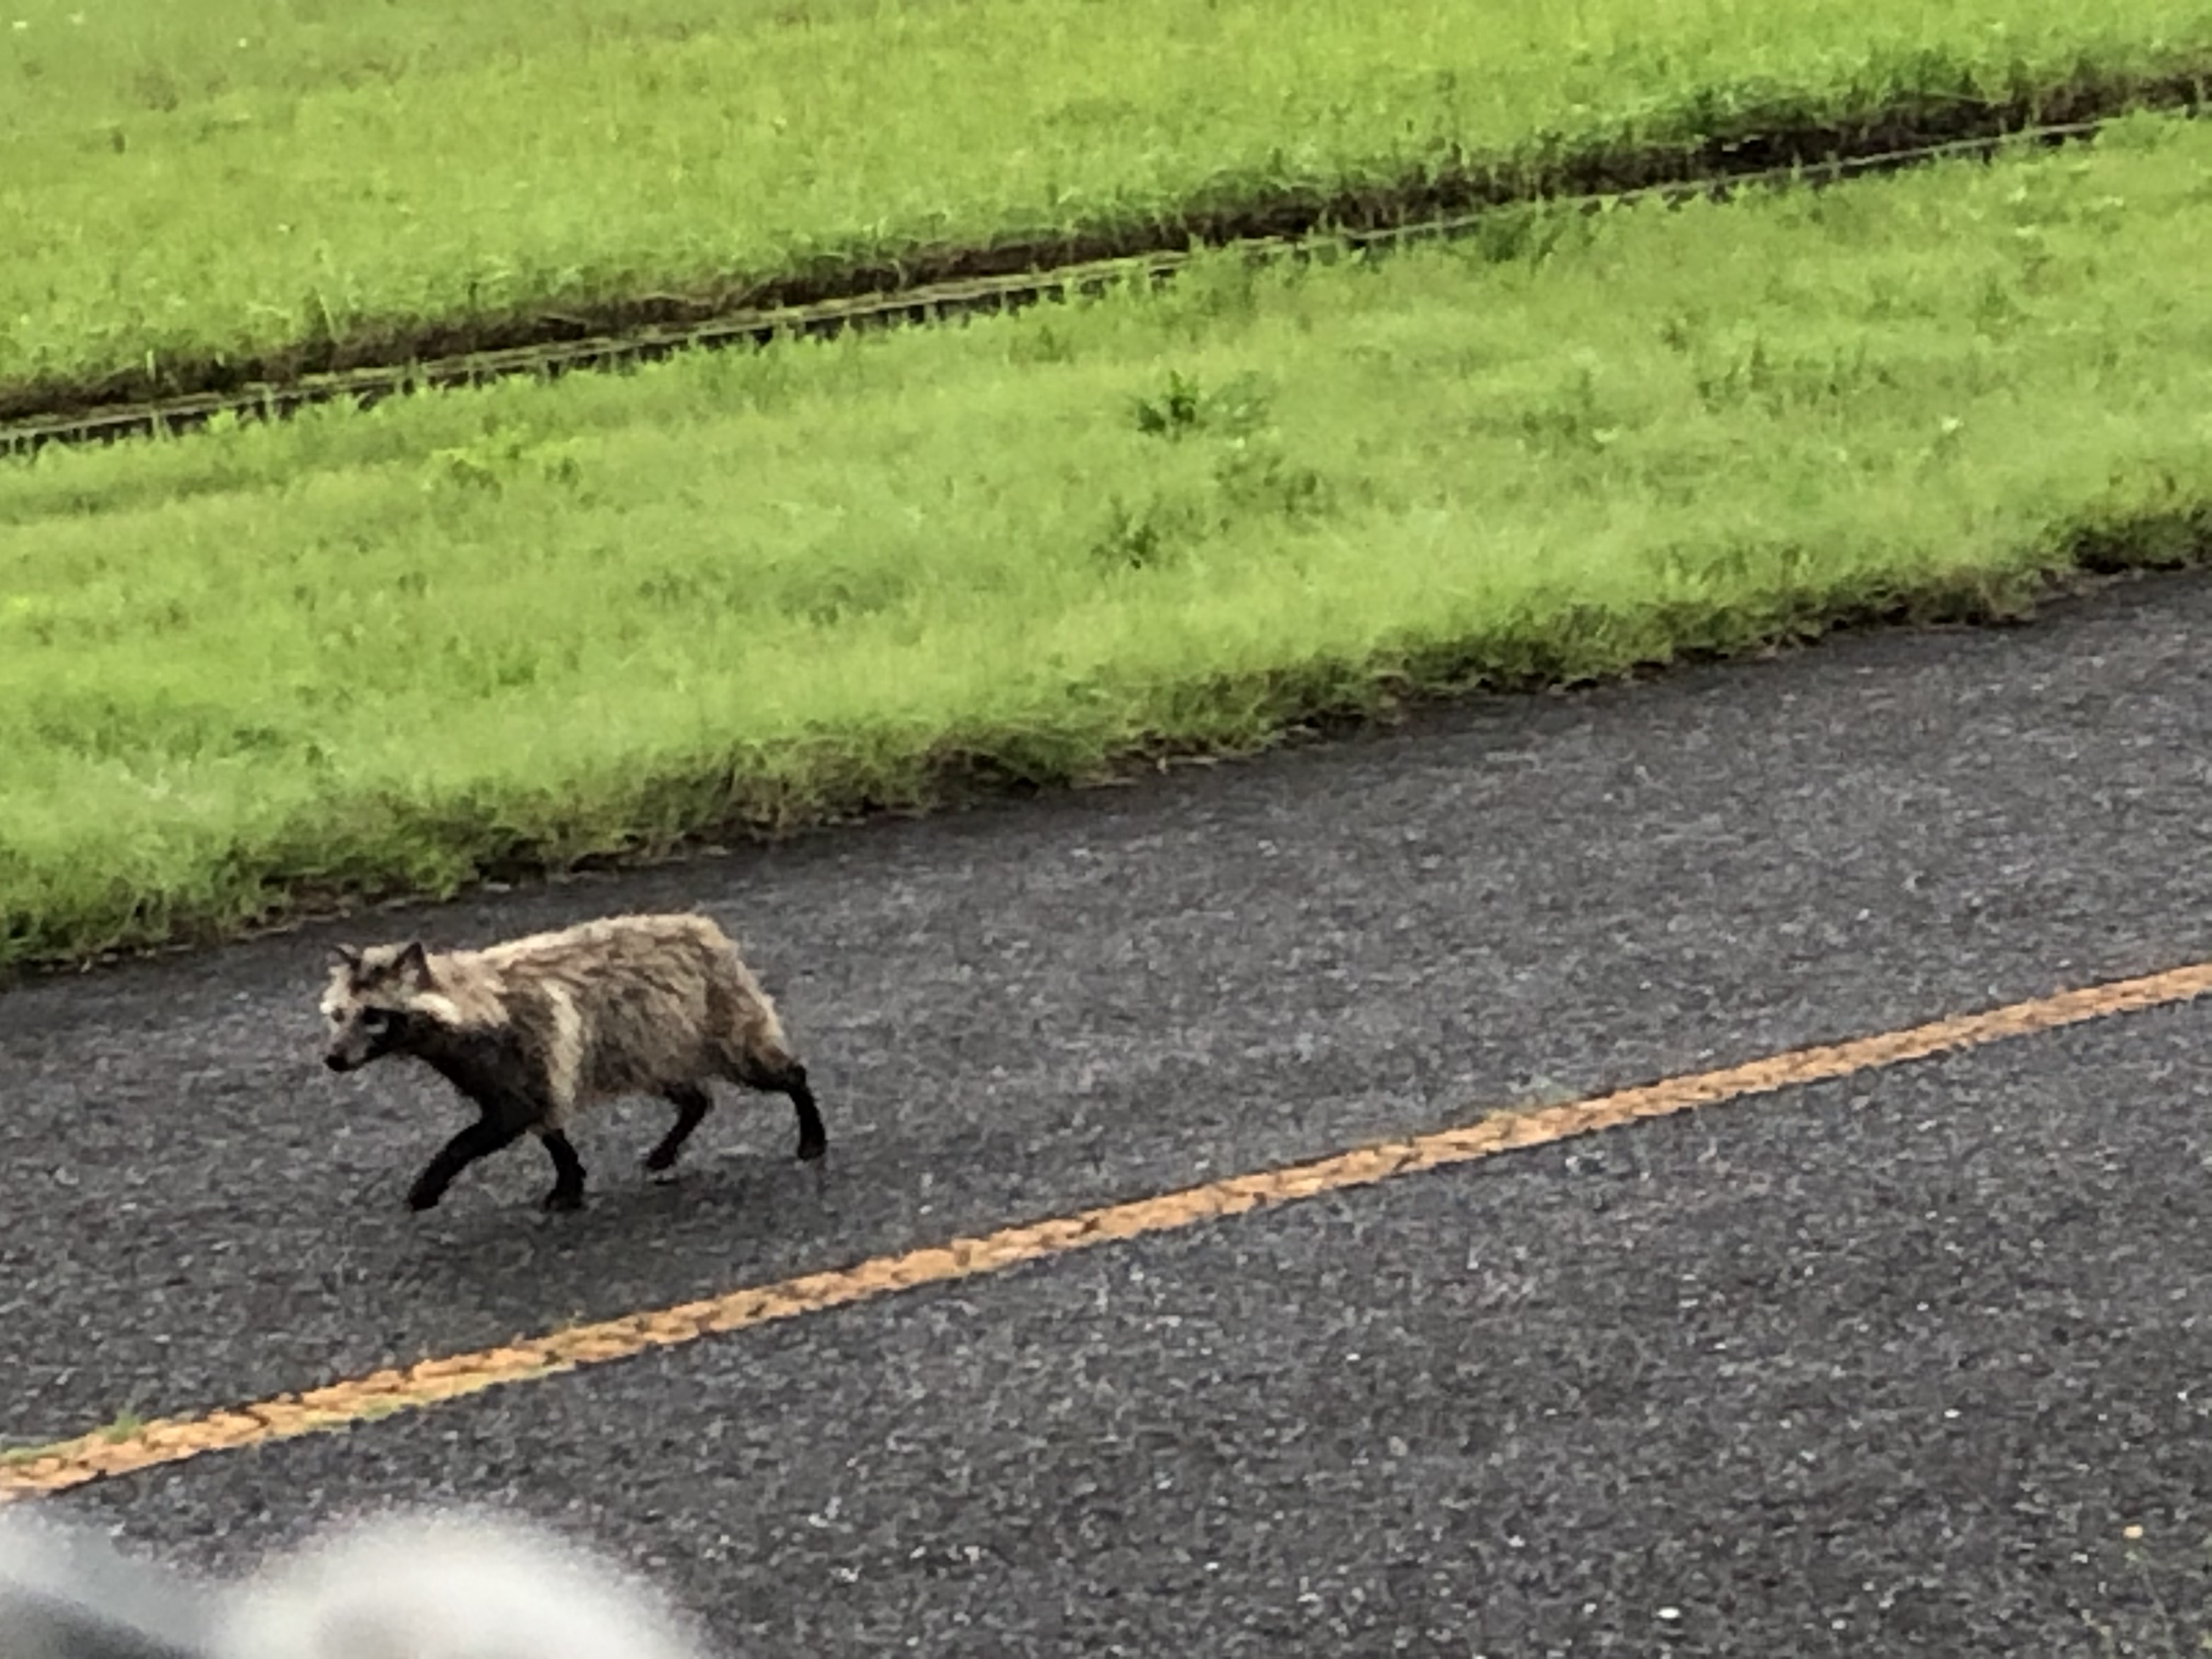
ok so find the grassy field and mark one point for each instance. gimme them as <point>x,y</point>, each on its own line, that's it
<point>362,653</point>
<point>198,194</point>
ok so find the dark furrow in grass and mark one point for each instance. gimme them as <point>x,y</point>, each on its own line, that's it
<point>1777,141</point>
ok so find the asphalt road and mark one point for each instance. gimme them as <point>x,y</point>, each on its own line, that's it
<point>1702,1367</point>
<point>1882,1367</point>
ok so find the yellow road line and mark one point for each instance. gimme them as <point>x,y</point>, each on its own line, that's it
<point>170,1440</point>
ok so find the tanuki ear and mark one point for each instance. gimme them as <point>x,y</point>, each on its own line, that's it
<point>345,956</point>
<point>412,961</point>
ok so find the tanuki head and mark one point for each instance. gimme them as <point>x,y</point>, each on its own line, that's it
<point>374,1003</point>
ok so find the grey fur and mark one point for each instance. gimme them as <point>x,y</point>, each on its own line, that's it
<point>534,1029</point>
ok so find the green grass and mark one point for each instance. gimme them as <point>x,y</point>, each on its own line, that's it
<point>77,65</point>
<point>477,629</point>
<point>328,185</point>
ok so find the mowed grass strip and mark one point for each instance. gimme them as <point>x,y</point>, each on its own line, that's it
<point>480,631</point>
<point>299,187</point>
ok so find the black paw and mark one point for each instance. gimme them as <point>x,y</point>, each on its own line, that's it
<point>659,1158</point>
<point>424,1198</point>
<point>810,1149</point>
<point>563,1198</point>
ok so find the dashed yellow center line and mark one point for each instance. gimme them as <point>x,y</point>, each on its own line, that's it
<point>119,1450</point>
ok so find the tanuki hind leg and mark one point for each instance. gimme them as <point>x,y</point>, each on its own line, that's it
<point>813,1140</point>
<point>793,1080</point>
<point>788,1078</point>
<point>692,1104</point>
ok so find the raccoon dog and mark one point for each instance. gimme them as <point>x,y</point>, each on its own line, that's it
<point>534,1029</point>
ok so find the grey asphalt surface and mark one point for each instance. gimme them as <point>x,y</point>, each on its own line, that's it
<point>1699,1366</point>
<point>1887,1365</point>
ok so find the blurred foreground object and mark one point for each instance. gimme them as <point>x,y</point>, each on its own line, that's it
<point>406,1585</point>
<point>67,1593</point>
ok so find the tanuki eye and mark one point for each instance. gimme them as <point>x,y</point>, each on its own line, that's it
<point>375,1020</point>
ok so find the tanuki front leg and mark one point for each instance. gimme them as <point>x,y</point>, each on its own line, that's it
<point>480,1139</point>
<point>568,1192</point>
